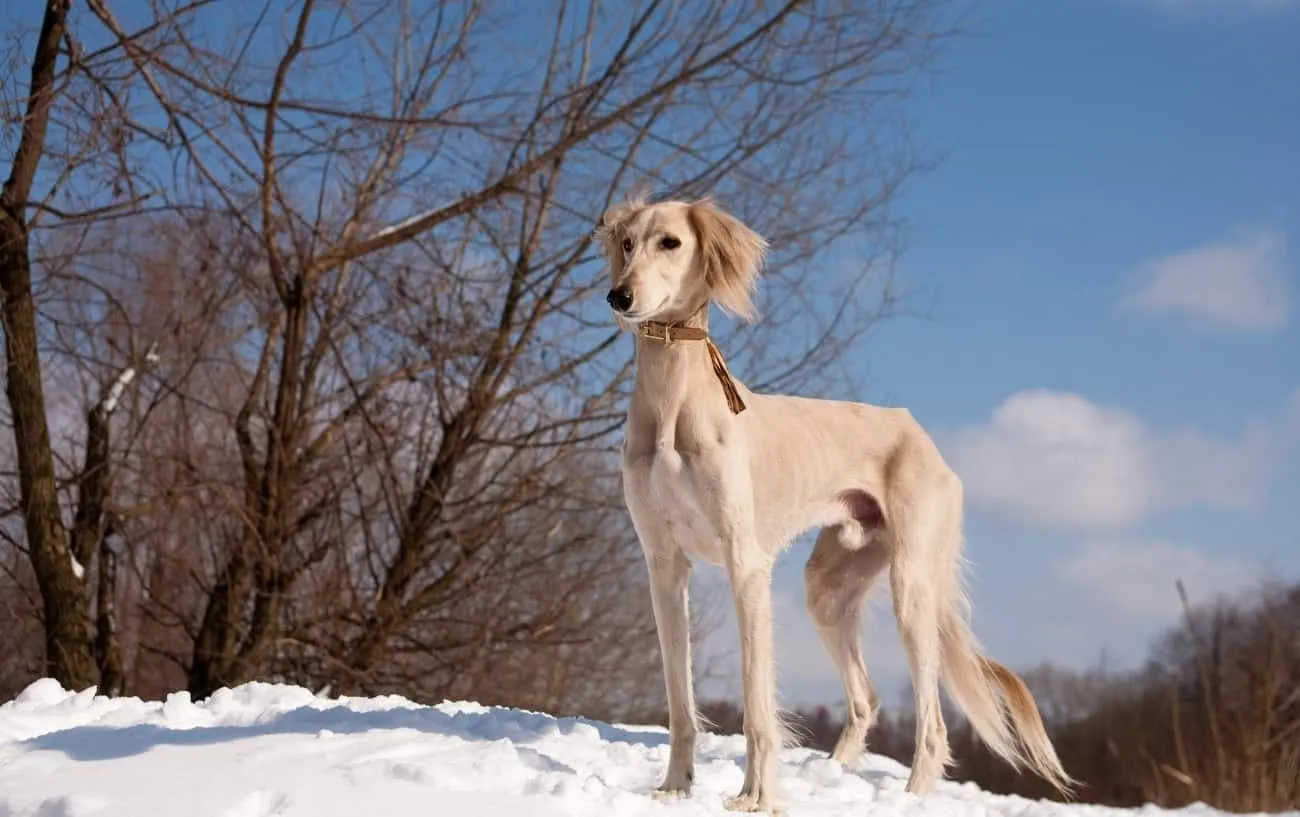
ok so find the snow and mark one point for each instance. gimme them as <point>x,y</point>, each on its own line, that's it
<point>114,394</point>
<point>266,749</point>
<point>115,391</point>
<point>403,224</point>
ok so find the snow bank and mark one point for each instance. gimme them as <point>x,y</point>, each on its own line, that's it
<point>266,749</point>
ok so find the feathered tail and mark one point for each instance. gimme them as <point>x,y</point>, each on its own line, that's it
<point>997,702</point>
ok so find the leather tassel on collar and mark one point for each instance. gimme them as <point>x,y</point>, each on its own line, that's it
<point>666,333</point>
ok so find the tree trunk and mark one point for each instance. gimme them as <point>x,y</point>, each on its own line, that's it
<point>217,643</point>
<point>68,655</point>
<point>228,648</point>
<point>108,646</point>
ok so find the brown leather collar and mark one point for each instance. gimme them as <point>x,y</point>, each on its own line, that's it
<point>667,333</point>
<point>657,330</point>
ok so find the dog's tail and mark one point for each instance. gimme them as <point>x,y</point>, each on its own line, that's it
<point>995,700</point>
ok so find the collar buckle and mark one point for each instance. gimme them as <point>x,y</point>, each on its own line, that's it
<point>657,331</point>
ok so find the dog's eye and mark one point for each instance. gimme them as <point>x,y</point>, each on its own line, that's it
<point>669,242</point>
<point>627,245</point>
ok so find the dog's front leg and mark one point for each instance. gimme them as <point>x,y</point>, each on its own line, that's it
<point>751,582</point>
<point>669,582</point>
<point>724,492</point>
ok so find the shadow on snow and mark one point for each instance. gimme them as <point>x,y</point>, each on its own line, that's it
<point>94,742</point>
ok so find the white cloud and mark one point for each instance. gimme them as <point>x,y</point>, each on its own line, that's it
<point>1055,458</point>
<point>1236,284</point>
<point>1113,596</point>
<point>1132,579</point>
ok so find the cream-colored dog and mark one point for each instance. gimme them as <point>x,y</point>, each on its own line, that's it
<point>717,473</point>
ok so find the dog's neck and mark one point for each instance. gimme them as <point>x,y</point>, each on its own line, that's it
<point>677,362</point>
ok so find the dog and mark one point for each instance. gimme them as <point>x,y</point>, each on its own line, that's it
<point>715,473</point>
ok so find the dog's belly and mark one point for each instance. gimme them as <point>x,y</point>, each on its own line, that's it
<point>673,506</point>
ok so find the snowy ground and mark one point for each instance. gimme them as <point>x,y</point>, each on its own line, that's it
<point>262,749</point>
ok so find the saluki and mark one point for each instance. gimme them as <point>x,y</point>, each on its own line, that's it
<point>717,473</point>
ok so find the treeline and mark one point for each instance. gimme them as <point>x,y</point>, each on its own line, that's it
<point>1213,716</point>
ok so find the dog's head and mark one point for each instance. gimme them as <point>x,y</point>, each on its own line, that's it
<point>670,258</point>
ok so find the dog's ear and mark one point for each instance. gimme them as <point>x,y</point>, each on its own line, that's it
<point>609,233</point>
<point>732,255</point>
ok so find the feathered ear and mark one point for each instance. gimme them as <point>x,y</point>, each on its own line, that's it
<point>732,255</point>
<point>610,232</point>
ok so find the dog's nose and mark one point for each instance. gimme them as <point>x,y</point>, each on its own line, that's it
<point>619,299</point>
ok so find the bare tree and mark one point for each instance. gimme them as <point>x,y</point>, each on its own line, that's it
<point>376,452</point>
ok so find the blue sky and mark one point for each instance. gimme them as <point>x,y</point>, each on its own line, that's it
<point>1109,354</point>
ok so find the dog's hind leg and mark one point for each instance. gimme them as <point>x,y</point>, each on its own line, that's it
<point>836,580</point>
<point>918,510</point>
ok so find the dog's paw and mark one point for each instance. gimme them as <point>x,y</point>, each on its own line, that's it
<point>750,803</point>
<point>664,794</point>
<point>676,785</point>
<point>847,754</point>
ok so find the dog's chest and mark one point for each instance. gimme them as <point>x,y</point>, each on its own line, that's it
<point>669,484</point>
